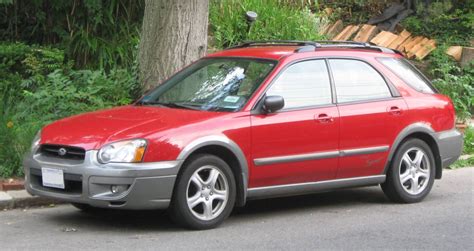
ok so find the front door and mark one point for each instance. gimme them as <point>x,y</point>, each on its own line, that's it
<point>300,142</point>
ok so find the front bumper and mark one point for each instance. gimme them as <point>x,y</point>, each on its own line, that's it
<point>142,185</point>
<point>450,145</point>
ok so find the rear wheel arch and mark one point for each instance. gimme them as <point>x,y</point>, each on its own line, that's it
<point>420,131</point>
<point>227,150</point>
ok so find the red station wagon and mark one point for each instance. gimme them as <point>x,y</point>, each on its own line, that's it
<point>259,120</point>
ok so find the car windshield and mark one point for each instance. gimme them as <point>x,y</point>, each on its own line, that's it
<point>212,84</point>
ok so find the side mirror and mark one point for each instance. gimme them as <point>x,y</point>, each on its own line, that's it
<point>273,103</point>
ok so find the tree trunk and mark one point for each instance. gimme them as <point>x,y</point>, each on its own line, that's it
<point>174,34</point>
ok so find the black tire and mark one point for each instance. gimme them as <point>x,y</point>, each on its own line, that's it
<point>393,188</point>
<point>179,210</point>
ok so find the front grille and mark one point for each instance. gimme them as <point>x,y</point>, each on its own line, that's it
<point>63,152</point>
<point>72,183</point>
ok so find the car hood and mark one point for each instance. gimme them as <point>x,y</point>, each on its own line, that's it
<point>93,130</point>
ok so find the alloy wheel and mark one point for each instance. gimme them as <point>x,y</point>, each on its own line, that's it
<point>207,193</point>
<point>414,171</point>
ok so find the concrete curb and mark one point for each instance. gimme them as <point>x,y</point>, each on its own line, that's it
<point>22,199</point>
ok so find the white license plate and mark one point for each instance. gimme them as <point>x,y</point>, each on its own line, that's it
<point>53,177</point>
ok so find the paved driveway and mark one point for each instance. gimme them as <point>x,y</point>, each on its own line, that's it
<point>348,219</point>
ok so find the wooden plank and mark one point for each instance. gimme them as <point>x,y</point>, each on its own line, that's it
<point>455,52</point>
<point>425,49</point>
<point>324,28</point>
<point>366,33</point>
<point>335,29</point>
<point>407,46</point>
<point>355,28</point>
<point>388,39</point>
<point>404,35</point>
<point>346,33</point>
<point>384,38</point>
<point>412,51</point>
<point>343,32</point>
<point>467,57</point>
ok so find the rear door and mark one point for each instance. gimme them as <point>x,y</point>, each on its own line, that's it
<point>298,143</point>
<point>370,112</point>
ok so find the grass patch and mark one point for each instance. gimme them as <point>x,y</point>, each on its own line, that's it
<point>462,163</point>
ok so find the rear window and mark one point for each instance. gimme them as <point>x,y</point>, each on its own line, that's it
<point>408,73</point>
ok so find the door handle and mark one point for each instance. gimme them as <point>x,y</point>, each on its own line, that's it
<point>324,118</point>
<point>395,110</point>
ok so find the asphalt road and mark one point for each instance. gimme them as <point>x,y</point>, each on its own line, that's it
<point>348,219</point>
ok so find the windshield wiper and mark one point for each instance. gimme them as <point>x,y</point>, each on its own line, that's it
<point>171,105</point>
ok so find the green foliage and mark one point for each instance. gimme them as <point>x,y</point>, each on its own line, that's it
<point>443,20</point>
<point>469,140</point>
<point>276,20</point>
<point>456,82</point>
<point>95,33</point>
<point>355,11</point>
<point>38,86</point>
<point>462,163</point>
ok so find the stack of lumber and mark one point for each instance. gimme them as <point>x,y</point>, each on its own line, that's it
<point>411,46</point>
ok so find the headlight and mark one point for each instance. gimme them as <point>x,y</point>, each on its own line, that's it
<point>36,142</point>
<point>127,151</point>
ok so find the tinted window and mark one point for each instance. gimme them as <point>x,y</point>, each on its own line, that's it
<point>408,74</point>
<point>303,84</point>
<point>356,80</point>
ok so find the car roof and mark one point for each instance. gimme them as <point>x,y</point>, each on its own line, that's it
<point>275,50</point>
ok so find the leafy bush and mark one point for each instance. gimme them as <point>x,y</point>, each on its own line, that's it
<point>276,20</point>
<point>94,33</point>
<point>37,87</point>
<point>451,80</point>
<point>443,20</point>
<point>62,94</point>
<point>469,140</point>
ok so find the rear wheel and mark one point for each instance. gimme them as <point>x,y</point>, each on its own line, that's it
<point>204,194</point>
<point>411,174</point>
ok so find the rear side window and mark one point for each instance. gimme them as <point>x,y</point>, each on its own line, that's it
<point>357,81</point>
<point>303,84</point>
<point>408,73</point>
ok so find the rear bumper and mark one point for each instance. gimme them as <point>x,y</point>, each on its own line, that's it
<point>450,145</point>
<point>140,185</point>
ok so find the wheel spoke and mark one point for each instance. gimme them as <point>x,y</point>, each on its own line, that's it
<point>418,158</point>
<point>220,195</point>
<point>197,180</point>
<point>422,173</point>
<point>414,185</point>
<point>213,175</point>
<point>404,177</point>
<point>195,200</point>
<point>208,209</point>
<point>406,158</point>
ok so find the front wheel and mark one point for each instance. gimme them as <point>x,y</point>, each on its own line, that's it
<point>205,192</point>
<point>411,173</point>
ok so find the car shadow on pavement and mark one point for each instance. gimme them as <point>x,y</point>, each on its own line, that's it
<point>158,220</point>
<point>334,200</point>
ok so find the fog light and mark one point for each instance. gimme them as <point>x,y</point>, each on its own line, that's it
<point>115,189</point>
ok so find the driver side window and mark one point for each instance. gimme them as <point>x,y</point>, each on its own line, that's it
<point>303,84</point>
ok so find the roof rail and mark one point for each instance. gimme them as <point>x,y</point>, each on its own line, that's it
<point>273,43</point>
<point>307,46</point>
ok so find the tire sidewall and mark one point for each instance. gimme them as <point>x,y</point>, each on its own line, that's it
<point>395,170</point>
<point>180,207</point>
